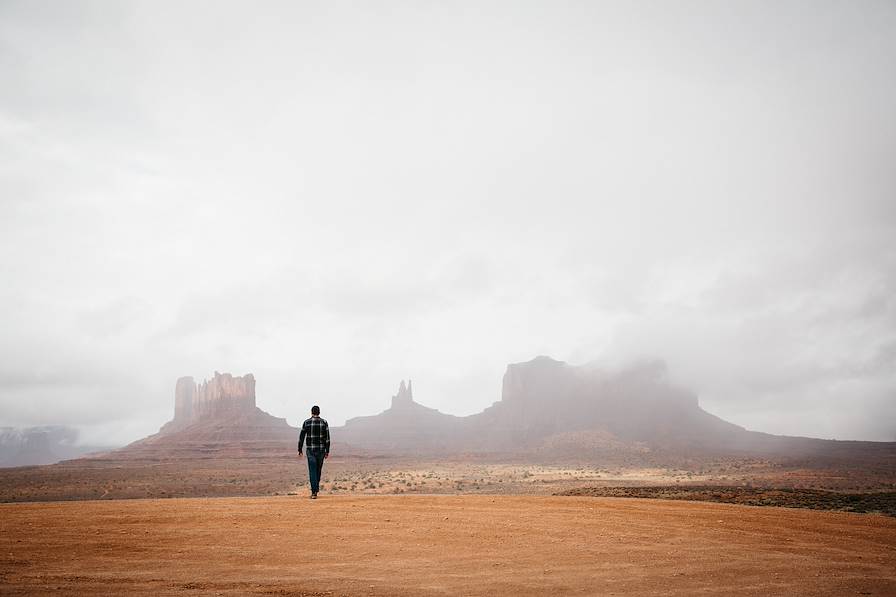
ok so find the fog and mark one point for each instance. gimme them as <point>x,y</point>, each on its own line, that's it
<point>337,196</point>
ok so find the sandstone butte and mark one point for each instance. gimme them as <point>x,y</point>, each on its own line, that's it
<point>218,417</point>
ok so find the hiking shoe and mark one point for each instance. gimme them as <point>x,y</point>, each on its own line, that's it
<point>313,496</point>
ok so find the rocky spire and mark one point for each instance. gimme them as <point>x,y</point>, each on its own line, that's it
<point>404,397</point>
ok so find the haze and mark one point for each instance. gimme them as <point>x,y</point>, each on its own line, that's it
<point>336,197</point>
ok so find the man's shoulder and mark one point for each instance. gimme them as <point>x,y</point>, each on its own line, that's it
<point>307,422</point>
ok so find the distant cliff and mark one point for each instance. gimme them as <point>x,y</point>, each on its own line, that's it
<point>543,398</point>
<point>40,445</point>
<point>638,403</point>
<point>554,409</point>
<point>217,417</point>
<point>218,397</point>
<point>548,408</point>
<point>405,424</point>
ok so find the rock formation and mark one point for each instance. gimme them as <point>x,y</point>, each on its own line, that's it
<point>404,397</point>
<point>406,426</point>
<point>544,398</point>
<point>637,404</point>
<point>217,397</point>
<point>218,416</point>
<point>548,409</point>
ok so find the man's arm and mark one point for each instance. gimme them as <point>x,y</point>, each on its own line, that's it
<point>327,440</point>
<point>301,438</point>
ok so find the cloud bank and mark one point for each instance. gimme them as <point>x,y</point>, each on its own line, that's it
<point>336,197</point>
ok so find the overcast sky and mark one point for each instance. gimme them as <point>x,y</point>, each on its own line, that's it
<point>337,196</point>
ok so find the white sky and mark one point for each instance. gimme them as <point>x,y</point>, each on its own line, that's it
<point>336,196</point>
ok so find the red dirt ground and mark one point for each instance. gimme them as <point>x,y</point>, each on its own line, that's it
<point>440,545</point>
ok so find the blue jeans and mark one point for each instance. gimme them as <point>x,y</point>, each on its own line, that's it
<point>315,466</point>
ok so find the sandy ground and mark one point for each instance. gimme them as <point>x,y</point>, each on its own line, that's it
<point>440,545</point>
<point>197,475</point>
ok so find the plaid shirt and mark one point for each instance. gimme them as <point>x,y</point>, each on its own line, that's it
<point>318,433</point>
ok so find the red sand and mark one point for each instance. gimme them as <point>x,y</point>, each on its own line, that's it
<point>440,545</point>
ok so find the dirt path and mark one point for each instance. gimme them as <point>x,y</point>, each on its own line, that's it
<point>440,545</point>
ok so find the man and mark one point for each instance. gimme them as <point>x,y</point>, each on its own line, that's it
<point>318,433</point>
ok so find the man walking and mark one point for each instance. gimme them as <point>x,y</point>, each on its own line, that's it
<point>318,433</point>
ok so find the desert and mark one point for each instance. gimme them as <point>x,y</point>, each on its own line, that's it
<point>217,503</point>
<point>440,545</point>
<point>426,298</point>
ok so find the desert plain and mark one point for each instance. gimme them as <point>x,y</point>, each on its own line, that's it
<point>220,506</point>
<point>393,526</point>
<point>440,545</point>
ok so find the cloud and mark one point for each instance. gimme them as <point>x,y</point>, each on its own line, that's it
<point>338,198</point>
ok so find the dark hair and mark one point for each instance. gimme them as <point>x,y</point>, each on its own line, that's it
<point>315,410</point>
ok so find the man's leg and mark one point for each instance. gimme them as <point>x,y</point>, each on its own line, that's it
<point>313,470</point>
<point>320,469</point>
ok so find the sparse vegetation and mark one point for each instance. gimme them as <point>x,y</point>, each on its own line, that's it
<point>882,502</point>
<point>117,479</point>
